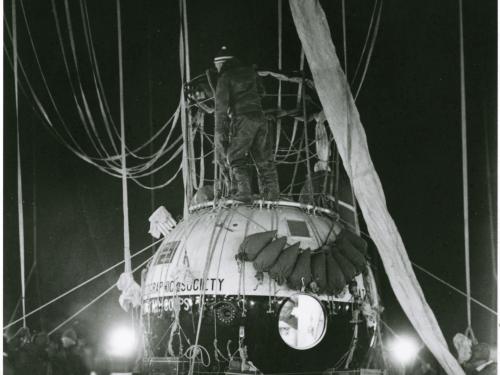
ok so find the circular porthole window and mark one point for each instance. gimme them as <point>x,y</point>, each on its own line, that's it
<point>302,321</point>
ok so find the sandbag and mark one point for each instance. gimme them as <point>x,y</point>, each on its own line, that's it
<point>335,277</point>
<point>283,267</point>
<point>268,256</point>
<point>346,266</point>
<point>352,254</point>
<point>301,275</point>
<point>318,269</point>
<point>253,244</point>
<point>359,243</point>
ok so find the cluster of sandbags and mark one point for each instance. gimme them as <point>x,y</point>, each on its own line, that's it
<point>325,270</point>
<point>253,244</point>
<point>336,264</point>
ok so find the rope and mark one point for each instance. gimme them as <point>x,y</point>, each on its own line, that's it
<point>88,112</point>
<point>77,151</point>
<point>370,51</point>
<point>18,303</point>
<point>198,350</point>
<point>211,246</point>
<point>80,285</point>
<point>185,152</point>
<point>367,38</point>
<point>464,165</point>
<point>126,233</point>
<point>44,80</point>
<point>72,86</point>
<point>19,177</point>
<point>101,95</point>
<point>479,303</point>
<point>490,204</point>
<point>344,37</point>
<point>455,289</point>
<point>306,140</point>
<point>280,68</point>
<point>202,149</point>
<point>108,167</point>
<point>348,122</point>
<point>93,301</point>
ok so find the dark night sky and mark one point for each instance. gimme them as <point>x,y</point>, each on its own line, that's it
<point>409,105</point>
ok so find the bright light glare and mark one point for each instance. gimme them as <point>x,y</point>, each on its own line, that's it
<point>122,342</point>
<point>404,349</point>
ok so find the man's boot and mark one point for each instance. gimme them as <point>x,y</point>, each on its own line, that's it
<point>268,182</point>
<point>242,181</point>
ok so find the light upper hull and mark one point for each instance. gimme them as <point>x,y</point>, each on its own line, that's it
<point>198,256</point>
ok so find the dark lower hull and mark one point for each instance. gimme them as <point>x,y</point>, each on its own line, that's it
<point>267,351</point>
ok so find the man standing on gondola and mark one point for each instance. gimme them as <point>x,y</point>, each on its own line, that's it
<point>241,129</point>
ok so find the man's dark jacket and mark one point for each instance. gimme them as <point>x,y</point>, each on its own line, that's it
<point>238,92</point>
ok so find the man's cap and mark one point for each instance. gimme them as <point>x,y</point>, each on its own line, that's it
<point>223,55</point>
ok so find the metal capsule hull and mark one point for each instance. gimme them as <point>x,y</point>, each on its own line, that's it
<point>195,269</point>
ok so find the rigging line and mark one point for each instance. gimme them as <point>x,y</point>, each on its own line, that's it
<point>40,107</point>
<point>306,141</point>
<point>214,238</point>
<point>465,181</point>
<point>95,66</point>
<point>490,202</point>
<point>344,38</point>
<point>370,51</point>
<point>44,80</point>
<point>296,150</point>
<point>161,185</point>
<point>35,219</point>
<point>189,130</point>
<point>110,125</point>
<point>18,303</point>
<point>156,155</point>
<point>126,232</point>
<point>280,68</point>
<point>367,38</point>
<point>299,95</point>
<point>293,143</point>
<point>142,171</point>
<point>94,300</point>
<point>68,73</point>
<point>455,289</point>
<point>354,203</point>
<point>202,150</point>
<point>150,106</point>
<point>295,169</point>
<point>97,77</point>
<point>19,177</point>
<point>75,149</point>
<point>101,96</point>
<point>46,118</point>
<point>140,174</point>
<point>139,170</point>
<point>202,157</point>
<point>186,177</point>
<point>439,279</point>
<point>88,112</point>
<point>301,161</point>
<point>173,119</point>
<point>80,285</point>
